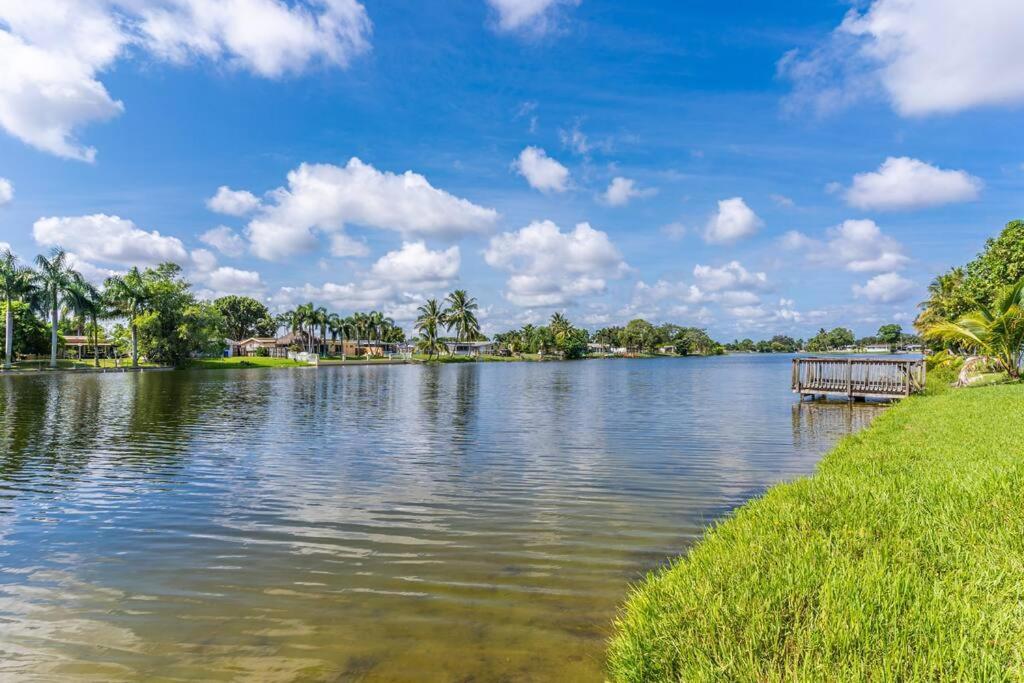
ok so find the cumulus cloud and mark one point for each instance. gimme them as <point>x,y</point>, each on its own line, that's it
<point>730,276</point>
<point>55,51</point>
<point>733,221</point>
<point>549,267</point>
<point>886,288</point>
<point>6,191</point>
<point>905,183</point>
<point>415,264</point>
<point>622,190</point>
<point>324,198</point>
<point>925,56</point>
<point>233,202</point>
<point>223,280</point>
<point>225,240</point>
<point>268,37</point>
<point>541,171</point>
<point>343,297</point>
<point>108,239</point>
<point>536,16</point>
<point>856,245</point>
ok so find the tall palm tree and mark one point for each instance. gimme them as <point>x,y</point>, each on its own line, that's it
<point>85,302</point>
<point>16,281</point>
<point>947,299</point>
<point>560,326</point>
<point>995,332</point>
<point>127,295</point>
<point>430,320</point>
<point>320,316</point>
<point>374,325</point>
<point>54,276</point>
<point>461,315</point>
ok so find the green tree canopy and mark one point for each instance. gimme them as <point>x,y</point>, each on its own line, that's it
<point>245,317</point>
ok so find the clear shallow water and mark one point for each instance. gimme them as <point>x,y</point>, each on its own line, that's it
<point>461,522</point>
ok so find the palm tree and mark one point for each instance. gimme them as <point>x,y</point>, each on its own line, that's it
<point>86,302</point>
<point>431,318</point>
<point>460,315</point>
<point>375,322</point>
<point>560,326</point>
<point>947,299</point>
<point>55,276</point>
<point>127,295</point>
<point>15,282</point>
<point>995,332</point>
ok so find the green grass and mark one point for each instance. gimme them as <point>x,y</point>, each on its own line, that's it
<point>901,559</point>
<point>64,364</point>
<point>242,363</point>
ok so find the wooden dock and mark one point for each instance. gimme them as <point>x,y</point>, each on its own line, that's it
<point>858,378</point>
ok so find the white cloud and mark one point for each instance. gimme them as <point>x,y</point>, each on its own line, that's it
<point>414,264</point>
<point>54,52</point>
<point>223,280</point>
<point>268,37</point>
<point>621,190</point>
<point>108,239</point>
<point>782,200</point>
<point>225,240</point>
<point>886,288</point>
<point>91,272</point>
<point>541,171</point>
<point>537,16</point>
<point>350,296</point>
<point>925,56</point>
<point>233,202</point>
<point>861,247</point>
<point>733,221</point>
<point>343,246</point>
<point>549,267</point>
<point>324,197</point>
<point>6,191</point>
<point>728,277</point>
<point>905,183</point>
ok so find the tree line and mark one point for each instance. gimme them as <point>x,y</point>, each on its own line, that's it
<point>978,308</point>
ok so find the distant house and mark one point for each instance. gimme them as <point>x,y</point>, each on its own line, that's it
<point>76,346</point>
<point>362,347</point>
<point>877,348</point>
<point>594,347</point>
<point>667,350</point>
<point>252,346</point>
<point>472,349</point>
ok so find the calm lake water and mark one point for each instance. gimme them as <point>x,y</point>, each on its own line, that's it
<point>461,522</point>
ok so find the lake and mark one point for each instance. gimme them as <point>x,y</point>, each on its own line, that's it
<point>455,522</point>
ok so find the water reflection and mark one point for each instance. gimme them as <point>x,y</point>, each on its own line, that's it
<point>380,523</point>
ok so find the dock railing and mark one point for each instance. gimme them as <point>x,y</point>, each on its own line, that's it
<point>858,377</point>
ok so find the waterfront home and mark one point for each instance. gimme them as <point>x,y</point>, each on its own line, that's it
<point>594,347</point>
<point>76,346</point>
<point>253,345</point>
<point>877,348</point>
<point>471,349</point>
<point>361,347</point>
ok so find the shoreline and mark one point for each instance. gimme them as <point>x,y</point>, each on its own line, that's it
<point>895,559</point>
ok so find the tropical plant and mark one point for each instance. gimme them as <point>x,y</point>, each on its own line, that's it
<point>431,319</point>
<point>460,314</point>
<point>996,332</point>
<point>16,282</point>
<point>127,295</point>
<point>560,326</point>
<point>54,276</point>
<point>86,302</point>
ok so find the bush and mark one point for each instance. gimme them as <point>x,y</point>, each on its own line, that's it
<point>261,352</point>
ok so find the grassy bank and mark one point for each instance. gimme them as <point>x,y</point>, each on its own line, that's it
<point>902,558</point>
<point>240,363</point>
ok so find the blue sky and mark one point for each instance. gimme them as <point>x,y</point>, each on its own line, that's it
<point>753,168</point>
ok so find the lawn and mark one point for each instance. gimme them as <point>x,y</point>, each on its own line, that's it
<point>902,558</point>
<point>62,364</point>
<point>239,363</point>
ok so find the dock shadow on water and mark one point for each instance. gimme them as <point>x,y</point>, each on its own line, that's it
<point>462,522</point>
